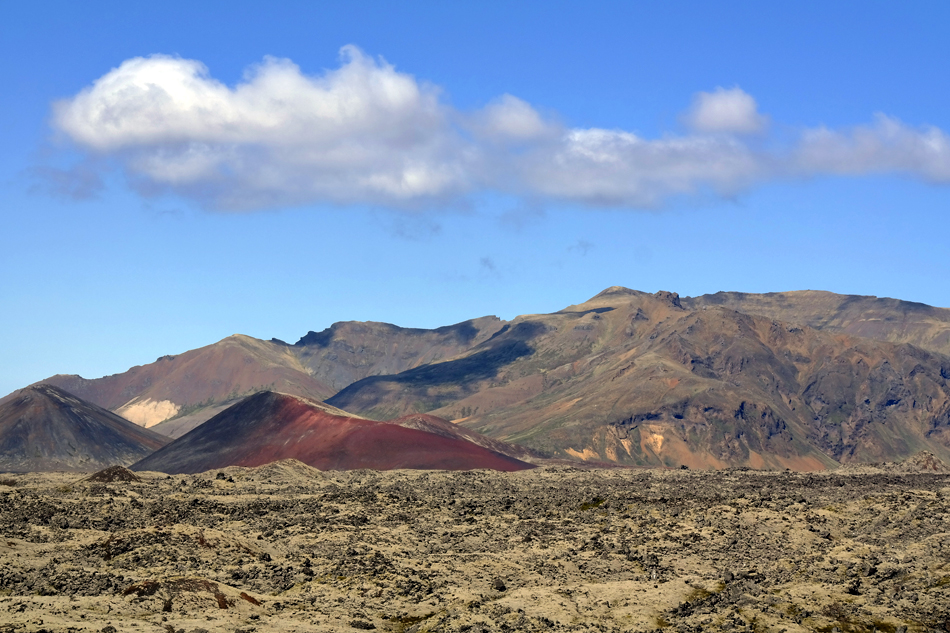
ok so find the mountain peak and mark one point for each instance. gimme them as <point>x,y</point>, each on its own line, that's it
<point>616,290</point>
<point>672,298</point>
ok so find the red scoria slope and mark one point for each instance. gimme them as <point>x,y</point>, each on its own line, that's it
<point>270,426</point>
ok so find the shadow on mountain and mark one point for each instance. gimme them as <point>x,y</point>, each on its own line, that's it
<point>478,366</point>
<point>583,312</point>
<point>453,379</point>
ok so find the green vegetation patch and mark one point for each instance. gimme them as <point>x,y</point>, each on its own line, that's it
<point>596,502</point>
<point>698,594</point>
<point>848,623</point>
<point>401,623</point>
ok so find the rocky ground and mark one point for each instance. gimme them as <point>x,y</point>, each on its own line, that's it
<point>286,548</point>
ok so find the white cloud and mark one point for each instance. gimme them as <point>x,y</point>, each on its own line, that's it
<point>365,133</point>
<point>886,146</point>
<point>726,111</point>
<point>361,133</point>
<point>617,168</point>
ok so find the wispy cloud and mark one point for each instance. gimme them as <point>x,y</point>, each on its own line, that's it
<point>79,182</point>
<point>413,228</point>
<point>524,215</point>
<point>487,264</point>
<point>886,146</point>
<point>581,246</point>
<point>366,133</point>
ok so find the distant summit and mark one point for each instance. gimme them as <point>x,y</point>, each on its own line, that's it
<point>184,390</point>
<point>617,290</point>
<point>45,428</point>
<point>879,318</point>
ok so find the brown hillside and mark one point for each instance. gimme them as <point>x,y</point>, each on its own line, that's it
<point>352,350</point>
<point>198,380</point>
<point>637,378</point>
<point>183,391</point>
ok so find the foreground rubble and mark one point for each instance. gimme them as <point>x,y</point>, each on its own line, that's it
<point>287,548</point>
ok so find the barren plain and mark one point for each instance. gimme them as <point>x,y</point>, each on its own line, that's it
<point>284,547</point>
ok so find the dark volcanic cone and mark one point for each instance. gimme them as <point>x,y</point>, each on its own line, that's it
<point>270,426</point>
<point>45,428</point>
<point>112,474</point>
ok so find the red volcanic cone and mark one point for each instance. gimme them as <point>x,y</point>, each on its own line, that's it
<point>270,426</point>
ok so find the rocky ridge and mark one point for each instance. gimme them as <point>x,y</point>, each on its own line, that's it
<point>804,380</point>
<point>879,318</point>
<point>178,392</point>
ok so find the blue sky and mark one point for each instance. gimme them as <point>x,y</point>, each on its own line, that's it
<point>172,174</point>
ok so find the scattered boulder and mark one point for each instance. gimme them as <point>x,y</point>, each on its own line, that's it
<point>923,462</point>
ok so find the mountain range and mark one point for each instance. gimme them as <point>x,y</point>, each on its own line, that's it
<point>802,380</point>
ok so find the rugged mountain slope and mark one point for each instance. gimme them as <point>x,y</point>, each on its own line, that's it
<point>872,317</point>
<point>43,427</point>
<point>185,390</point>
<point>270,426</point>
<point>637,378</point>
<point>178,425</point>
<point>349,351</point>
<point>627,376</point>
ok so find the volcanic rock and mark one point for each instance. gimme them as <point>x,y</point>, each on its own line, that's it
<point>924,462</point>
<point>440,426</point>
<point>196,382</point>
<point>351,350</point>
<point>185,390</point>
<point>111,475</point>
<point>286,548</point>
<point>802,380</point>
